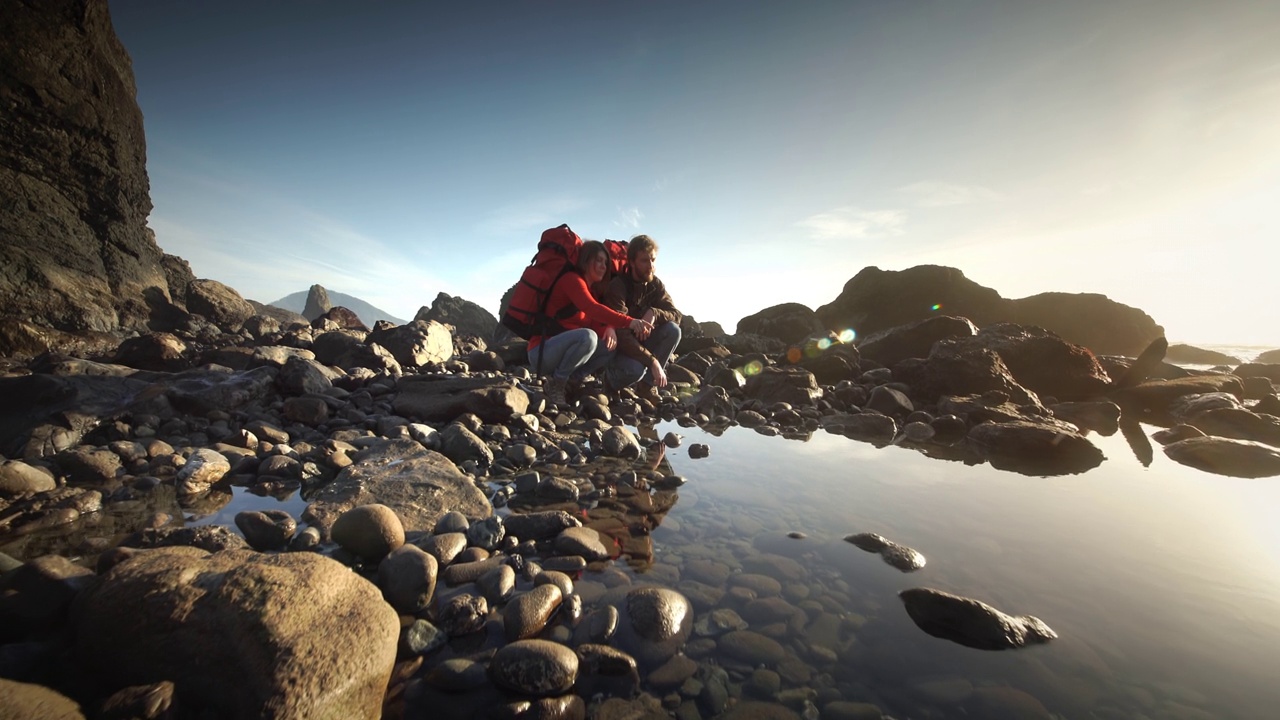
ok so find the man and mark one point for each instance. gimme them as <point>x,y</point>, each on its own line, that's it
<point>639,293</point>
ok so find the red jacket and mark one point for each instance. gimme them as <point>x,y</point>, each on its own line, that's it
<point>571,291</point>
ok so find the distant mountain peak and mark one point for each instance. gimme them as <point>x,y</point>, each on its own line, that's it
<point>318,300</point>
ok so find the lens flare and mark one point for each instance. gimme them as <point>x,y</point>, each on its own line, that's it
<point>824,343</point>
<point>752,368</point>
<point>811,350</point>
<point>793,354</point>
<point>936,307</point>
<point>847,335</point>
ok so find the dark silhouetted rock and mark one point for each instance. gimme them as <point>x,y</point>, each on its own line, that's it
<point>876,300</point>
<point>1089,319</point>
<point>892,346</point>
<point>793,385</point>
<point>466,317</point>
<point>1045,363</point>
<point>1223,456</point>
<point>1034,448</point>
<point>958,367</point>
<point>1191,355</point>
<point>789,322</point>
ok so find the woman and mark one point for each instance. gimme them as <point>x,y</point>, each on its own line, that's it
<point>588,326</point>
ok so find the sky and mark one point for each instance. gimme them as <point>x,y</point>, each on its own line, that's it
<point>394,150</point>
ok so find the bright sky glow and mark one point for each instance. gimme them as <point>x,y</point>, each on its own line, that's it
<point>394,150</point>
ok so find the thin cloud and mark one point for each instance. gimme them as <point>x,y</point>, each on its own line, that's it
<point>849,223</point>
<point>529,217</point>
<point>930,193</point>
<point>628,217</point>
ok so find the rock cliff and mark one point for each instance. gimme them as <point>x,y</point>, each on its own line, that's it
<point>77,256</point>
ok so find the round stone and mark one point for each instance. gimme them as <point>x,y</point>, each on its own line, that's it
<point>527,614</point>
<point>534,667</point>
<point>370,531</point>
<point>266,529</point>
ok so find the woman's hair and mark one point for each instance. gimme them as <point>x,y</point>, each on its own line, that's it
<point>587,253</point>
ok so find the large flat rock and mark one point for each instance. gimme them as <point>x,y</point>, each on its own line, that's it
<point>420,485</point>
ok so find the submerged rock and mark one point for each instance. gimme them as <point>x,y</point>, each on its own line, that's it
<point>899,556</point>
<point>972,623</point>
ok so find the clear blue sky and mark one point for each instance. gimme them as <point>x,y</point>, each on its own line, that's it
<point>394,150</point>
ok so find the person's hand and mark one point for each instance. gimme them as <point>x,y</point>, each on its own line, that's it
<point>641,328</point>
<point>610,339</point>
<point>658,375</point>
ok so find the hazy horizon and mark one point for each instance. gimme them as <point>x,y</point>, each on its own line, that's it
<point>396,150</point>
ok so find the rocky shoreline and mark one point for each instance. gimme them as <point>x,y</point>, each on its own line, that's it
<point>457,550</point>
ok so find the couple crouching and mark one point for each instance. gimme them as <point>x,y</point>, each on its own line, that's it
<point>624,328</point>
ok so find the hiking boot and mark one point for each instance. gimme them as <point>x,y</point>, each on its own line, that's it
<point>554,388</point>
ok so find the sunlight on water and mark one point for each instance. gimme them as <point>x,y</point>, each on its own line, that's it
<point>1163,579</point>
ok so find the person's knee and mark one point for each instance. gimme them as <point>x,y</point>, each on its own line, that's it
<point>624,372</point>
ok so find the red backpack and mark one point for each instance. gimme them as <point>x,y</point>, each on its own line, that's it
<point>617,250</point>
<point>526,314</point>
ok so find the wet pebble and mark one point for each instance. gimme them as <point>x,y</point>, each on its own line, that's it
<point>582,541</point>
<point>534,667</point>
<point>462,615</point>
<point>698,451</point>
<point>528,613</point>
<point>266,529</point>
<point>369,531</point>
<point>407,578</point>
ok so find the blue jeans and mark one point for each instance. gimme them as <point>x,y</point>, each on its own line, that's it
<point>595,363</point>
<point>561,354</point>
<point>625,371</point>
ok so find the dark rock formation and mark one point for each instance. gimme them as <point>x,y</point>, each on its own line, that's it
<point>317,303</point>
<point>1095,321</point>
<point>876,300</point>
<point>369,314</point>
<point>285,317</point>
<point>889,347</point>
<point>76,255</point>
<point>466,317</point>
<point>219,304</point>
<point>1223,456</point>
<point>1191,355</point>
<point>789,322</point>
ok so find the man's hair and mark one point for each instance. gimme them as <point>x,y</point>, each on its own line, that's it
<point>639,244</point>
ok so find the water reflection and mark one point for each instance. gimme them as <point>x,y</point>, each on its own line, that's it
<point>1161,580</point>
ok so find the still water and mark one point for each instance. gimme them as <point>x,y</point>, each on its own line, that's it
<point>1162,582</point>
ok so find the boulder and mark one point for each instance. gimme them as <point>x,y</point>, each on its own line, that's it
<point>27,700</point>
<point>892,346</point>
<point>1157,396</point>
<point>876,300</point>
<point>958,367</point>
<point>77,256</point>
<point>297,635</point>
<point>1190,355</point>
<point>219,304</point>
<point>1270,371</point>
<point>972,623</point>
<point>200,392</point>
<point>1223,456</point>
<point>429,399</point>
<point>466,317</point>
<point>161,352</point>
<point>340,318</point>
<point>1034,448</point>
<point>789,322</point>
<point>653,625</point>
<point>793,385</point>
<point>346,349</point>
<point>1089,319</point>
<point>419,484</point>
<point>1043,362</point>
<point>45,414</point>
<point>417,343</point>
